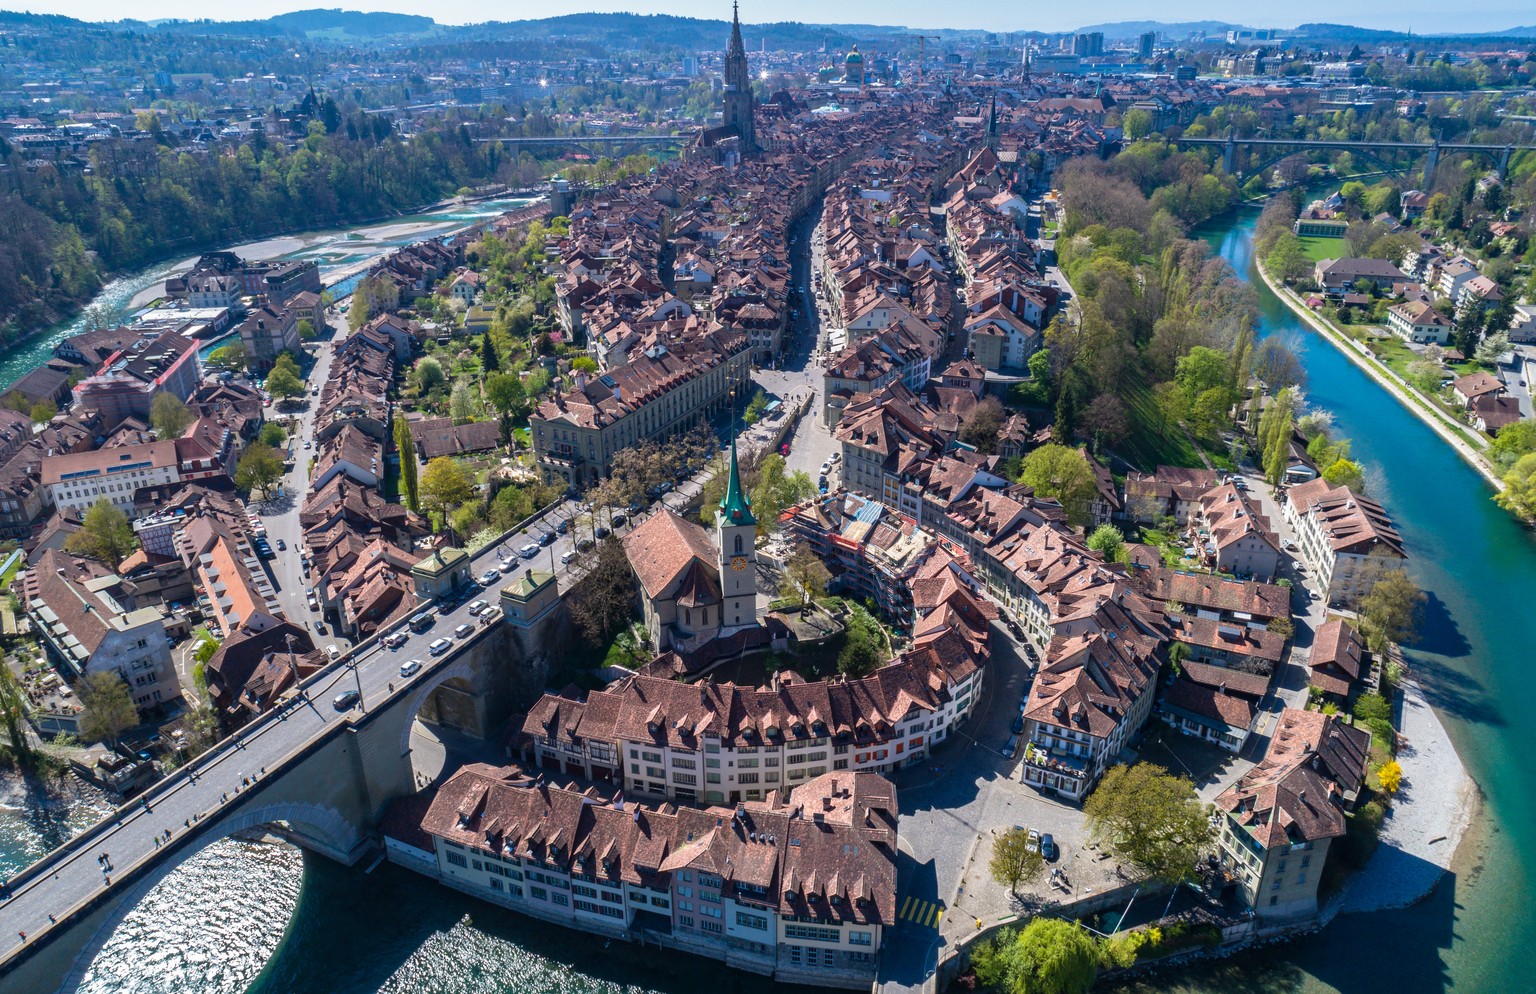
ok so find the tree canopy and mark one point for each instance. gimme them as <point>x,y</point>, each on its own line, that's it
<point>1013,861</point>
<point>1150,820</point>
<point>104,534</point>
<point>260,468</point>
<point>108,709</point>
<point>444,486</point>
<point>168,416</point>
<point>1062,472</point>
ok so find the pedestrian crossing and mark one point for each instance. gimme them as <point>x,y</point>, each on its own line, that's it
<point>925,914</point>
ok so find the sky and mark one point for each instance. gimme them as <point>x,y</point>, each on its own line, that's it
<point>1421,16</point>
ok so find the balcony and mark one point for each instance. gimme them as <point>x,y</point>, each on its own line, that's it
<point>1056,761</point>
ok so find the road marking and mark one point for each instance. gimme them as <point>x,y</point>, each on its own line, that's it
<point>924,914</point>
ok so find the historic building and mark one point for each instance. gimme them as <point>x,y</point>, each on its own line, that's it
<point>740,106</point>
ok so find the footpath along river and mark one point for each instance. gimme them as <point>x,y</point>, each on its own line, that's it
<point>324,929</point>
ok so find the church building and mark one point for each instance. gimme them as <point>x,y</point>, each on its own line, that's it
<point>738,126</point>
<point>695,587</point>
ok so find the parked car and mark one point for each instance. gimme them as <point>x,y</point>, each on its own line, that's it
<point>1010,747</point>
<point>346,700</point>
<point>546,538</point>
<point>1048,848</point>
<point>584,545</point>
<point>333,652</point>
<point>395,640</point>
<point>463,631</point>
<point>439,646</point>
<point>307,443</point>
<point>282,546</point>
<point>1018,724</point>
<point>528,551</point>
<point>1032,843</point>
<point>1013,628</point>
<point>314,605</point>
<point>490,576</point>
<point>476,607</point>
<point>410,667</point>
<point>563,527</point>
<point>619,519</point>
<point>567,556</point>
<point>600,532</point>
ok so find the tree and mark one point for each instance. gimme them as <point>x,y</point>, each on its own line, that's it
<point>230,358</point>
<point>43,411</point>
<point>1519,493</point>
<point>464,402</point>
<point>1346,473</point>
<point>444,486</point>
<point>429,375</point>
<point>1107,420</point>
<point>1514,441</point>
<point>982,425</point>
<point>755,408</point>
<point>489,360</point>
<point>1108,542</point>
<point>306,329</point>
<point>104,534</point>
<point>1062,472</point>
<point>13,714</point>
<point>1492,347</point>
<point>1137,123</point>
<point>1047,956</point>
<point>1013,861</point>
<point>1150,819</point>
<point>1389,611</point>
<point>272,434</point>
<point>506,394</point>
<point>805,577</point>
<point>168,416</point>
<point>260,468</point>
<point>863,645</point>
<point>108,709</point>
<point>585,364</point>
<point>1390,776</point>
<point>284,381</point>
<point>406,447</point>
<point>1277,362</point>
<point>604,600</point>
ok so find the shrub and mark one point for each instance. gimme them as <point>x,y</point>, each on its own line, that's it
<point>1373,707</point>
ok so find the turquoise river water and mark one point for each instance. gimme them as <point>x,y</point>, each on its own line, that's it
<point>267,920</point>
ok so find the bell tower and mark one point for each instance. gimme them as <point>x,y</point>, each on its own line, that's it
<point>739,109</point>
<point>736,538</point>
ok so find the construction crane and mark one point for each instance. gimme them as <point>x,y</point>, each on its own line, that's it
<point>922,41</point>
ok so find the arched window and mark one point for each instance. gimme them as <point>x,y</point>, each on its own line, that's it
<point>738,545</point>
<point>688,617</point>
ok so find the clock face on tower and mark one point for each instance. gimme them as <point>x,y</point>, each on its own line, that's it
<point>739,563</point>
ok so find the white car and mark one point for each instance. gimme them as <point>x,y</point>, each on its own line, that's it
<point>439,646</point>
<point>395,640</point>
<point>333,652</point>
<point>567,556</point>
<point>528,551</point>
<point>410,667</point>
<point>475,607</point>
<point>489,577</point>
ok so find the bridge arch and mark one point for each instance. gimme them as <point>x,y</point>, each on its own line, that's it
<point>459,676</point>
<point>320,827</point>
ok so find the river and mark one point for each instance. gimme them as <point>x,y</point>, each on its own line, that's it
<point>338,252</point>
<point>318,927</point>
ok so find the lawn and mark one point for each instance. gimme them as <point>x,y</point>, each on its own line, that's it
<point>1318,249</point>
<point>1150,442</point>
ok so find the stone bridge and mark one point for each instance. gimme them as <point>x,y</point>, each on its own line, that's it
<point>319,778</point>
<point>1396,158</point>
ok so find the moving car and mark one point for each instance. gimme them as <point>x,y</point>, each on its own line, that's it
<point>490,576</point>
<point>439,646</point>
<point>463,631</point>
<point>282,546</point>
<point>346,700</point>
<point>410,667</point>
<point>395,640</point>
<point>476,607</point>
<point>528,551</point>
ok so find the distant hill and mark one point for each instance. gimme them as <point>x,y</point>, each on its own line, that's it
<point>356,23</point>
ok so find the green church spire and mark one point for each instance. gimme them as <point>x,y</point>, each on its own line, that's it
<point>735,505</point>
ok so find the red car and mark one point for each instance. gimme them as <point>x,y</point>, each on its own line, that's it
<point>784,449</point>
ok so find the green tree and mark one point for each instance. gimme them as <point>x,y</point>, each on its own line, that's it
<point>1151,820</point>
<point>13,715</point>
<point>1013,861</point>
<point>1108,542</point>
<point>1047,956</point>
<point>1513,442</point>
<point>230,358</point>
<point>168,416</point>
<point>306,329</point>
<point>429,375</point>
<point>1062,472</point>
<point>1519,493</point>
<point>805,576</point>
<point>444,486</point>
<point>755,408</point>
<point>43,411</point>
<point>1137,123</point>
<point>272,434</point>
<point>585,364</point>
<point>1389,611</point>
<point>284,381</point>
<point>490,362</point>
<point>406,447</point>
<point>863,645</point>
<point>107,708</point>
<point>104,534</point>
<point>1346,473</point>
<point>260,468</point>
<point>505,392</point>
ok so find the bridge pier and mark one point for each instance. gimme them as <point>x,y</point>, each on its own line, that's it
<point>1504,162</point>
<point>1431,163</point>
<point>1229,156</point>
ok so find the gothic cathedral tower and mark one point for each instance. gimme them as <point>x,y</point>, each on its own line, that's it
<point>735,537</point>
<point>739,106</point>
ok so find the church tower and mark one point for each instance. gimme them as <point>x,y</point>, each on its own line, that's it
<point>735,538</point>
<point>739,109</point>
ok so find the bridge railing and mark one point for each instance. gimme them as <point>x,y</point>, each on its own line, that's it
<point>196,766</point>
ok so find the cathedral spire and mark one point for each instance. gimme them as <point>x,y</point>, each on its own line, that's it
<point>737,48</point>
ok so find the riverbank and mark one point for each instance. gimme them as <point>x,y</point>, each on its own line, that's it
<point>1395,385</point>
